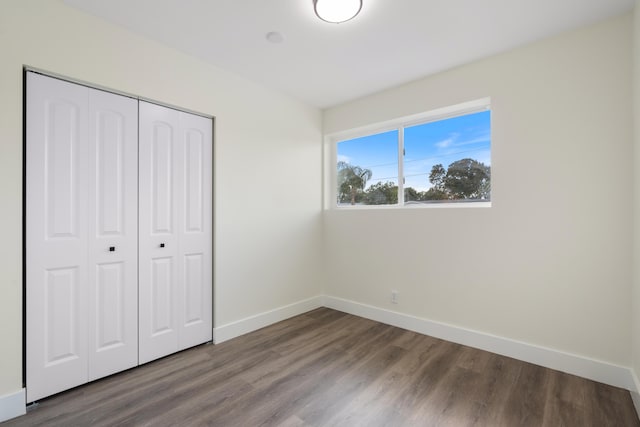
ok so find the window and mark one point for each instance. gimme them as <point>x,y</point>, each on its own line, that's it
<point>438,157</point>
<point>368,170</point>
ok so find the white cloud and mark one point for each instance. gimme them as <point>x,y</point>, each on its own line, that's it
<point>479,140</point>
<point>444,143</point>
<point>451,141</point>
<point>343,158</point>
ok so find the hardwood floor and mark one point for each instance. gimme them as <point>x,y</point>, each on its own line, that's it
<point>327,368</point>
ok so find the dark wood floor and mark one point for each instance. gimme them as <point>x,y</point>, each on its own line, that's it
<point>327,368</point>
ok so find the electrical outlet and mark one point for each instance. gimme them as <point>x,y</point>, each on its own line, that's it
<point>394,296</point>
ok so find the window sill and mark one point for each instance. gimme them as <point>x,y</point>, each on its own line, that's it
<point>449,205</point>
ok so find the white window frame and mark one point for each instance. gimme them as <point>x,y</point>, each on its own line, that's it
<point>330,154</point>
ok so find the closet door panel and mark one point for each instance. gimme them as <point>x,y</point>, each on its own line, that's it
<point>162,281</point>
<point>113,210</point>
<point>194,168</point>
<point>56,235</point>
<point>195,219</point>
<point>162,178</point>
<point>158,238</point>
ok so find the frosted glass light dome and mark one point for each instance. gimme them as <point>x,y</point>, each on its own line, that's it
<point>336,11</point>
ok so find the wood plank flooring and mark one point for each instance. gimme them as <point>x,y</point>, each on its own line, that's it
<point>327,368</point>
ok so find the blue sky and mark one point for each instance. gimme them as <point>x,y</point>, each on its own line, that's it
<point>443,142</point>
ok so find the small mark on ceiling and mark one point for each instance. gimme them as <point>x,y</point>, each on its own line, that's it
<point>274,37</point>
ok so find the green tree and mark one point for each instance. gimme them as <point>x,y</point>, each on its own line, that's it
<point>485,187</point>
<point>411,194</point>
<point>437,176</point>
<point>381,194</point>
<point>434,194</point>
<point>468,179</point>
<point>464,179</point>
<point>351,181</point>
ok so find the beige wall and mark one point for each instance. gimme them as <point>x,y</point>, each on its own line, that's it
<point>550,262</point>
<point>267,165</point>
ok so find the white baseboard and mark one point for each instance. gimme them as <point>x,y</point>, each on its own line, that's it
<point>585,367</point>
<point>250,324</point>
<point>596,370</point>
<point>635,393</point>
<point>13,405</point>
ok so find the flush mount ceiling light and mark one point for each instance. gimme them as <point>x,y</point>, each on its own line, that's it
<point>337,11</point>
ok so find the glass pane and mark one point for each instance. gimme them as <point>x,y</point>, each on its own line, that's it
<point>448,160</point>
<point>367,170</point>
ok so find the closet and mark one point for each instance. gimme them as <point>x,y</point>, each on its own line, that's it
<point>118,233</point>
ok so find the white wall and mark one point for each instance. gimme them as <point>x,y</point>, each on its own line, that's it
<point>267,165</point>
<point>549,263</point>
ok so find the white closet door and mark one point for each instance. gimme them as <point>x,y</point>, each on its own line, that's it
<point>158,242</point>
<point>113,227</point>
<point>175,272</point>
<point>56,236</point>
<point>195,227</point>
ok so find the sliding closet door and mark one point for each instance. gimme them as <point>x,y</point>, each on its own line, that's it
<point>113,228</point>
<point>56,236</point>
<point>175,231</point>
<point>81,235</point>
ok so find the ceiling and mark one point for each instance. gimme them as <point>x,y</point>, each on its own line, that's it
<point>390,43</point>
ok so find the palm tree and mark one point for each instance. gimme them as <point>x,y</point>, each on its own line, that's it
<point>351,178</point>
